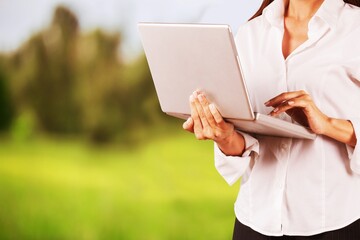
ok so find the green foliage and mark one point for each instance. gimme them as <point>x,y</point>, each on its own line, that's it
<point>23,127</point>
<point>6,111</point>
<point>77,84</point>
<point>100,86</point>
<point>167,189</point>
<point>64,83</point>
<point>43,75</point>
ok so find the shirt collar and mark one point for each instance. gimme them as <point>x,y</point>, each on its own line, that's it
<point>274,13</point>
<point>328,12</point>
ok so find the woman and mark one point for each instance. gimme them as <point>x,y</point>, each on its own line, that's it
<point>301,60</point>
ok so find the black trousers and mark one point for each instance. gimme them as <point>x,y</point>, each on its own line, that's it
<point>350,232</point>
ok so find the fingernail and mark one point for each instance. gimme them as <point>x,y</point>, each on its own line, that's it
<point>212,107</point>
<point>291,102</point>
<point>275,110</point>
<point>195,93</point>
<point>192,99</point>
<point>201,97</point>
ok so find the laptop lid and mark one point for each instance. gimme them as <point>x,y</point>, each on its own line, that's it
<point>187,57</point>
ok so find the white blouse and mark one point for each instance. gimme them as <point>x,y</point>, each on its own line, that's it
<point>294,186</point>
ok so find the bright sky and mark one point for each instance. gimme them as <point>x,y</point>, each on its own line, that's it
<point>19,19</point>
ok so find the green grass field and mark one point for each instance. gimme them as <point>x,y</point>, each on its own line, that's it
<point>67,189</point>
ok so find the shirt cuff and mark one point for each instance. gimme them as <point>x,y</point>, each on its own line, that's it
<point>354,152</point>
<point>231,168</point>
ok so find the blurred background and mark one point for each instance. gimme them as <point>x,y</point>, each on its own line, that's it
<point>85,151</point>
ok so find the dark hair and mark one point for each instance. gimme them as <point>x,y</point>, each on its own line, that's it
<point>265,3</point>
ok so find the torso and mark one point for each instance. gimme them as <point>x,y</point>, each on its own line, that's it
<point>295,34</point>
<point>291,188</point>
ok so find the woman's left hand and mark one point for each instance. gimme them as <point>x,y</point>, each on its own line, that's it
<point>300,107</point>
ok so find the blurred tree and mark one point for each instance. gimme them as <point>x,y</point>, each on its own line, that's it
<point>54,81</point>
<point>100,87</point>
<point>66,82</point>
<point>146,108</point>
<point>44,78</point>
<point>6,111</point>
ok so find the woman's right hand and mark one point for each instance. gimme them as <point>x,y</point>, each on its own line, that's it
<point>206,122</point>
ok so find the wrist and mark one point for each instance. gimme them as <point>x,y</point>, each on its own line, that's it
<point>340,130</point>
<point>328,128</point>
<point>227,140</point>
<point>233,145</point>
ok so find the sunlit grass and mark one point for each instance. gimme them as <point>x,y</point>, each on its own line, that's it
<point>166,189</point>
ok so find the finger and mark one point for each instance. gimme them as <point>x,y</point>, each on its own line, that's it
<point>198,128</point>
<point>201,112</point>
<point>188,125</point>
<point>194,113</point>
<point>216,114</point>
<point>300,102</point>
<point>205,105</point>
<point>283,97</point>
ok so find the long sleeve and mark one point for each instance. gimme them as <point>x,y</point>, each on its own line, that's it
<point>231,168</point>
<point>354,152</point>
<point>293,186</point>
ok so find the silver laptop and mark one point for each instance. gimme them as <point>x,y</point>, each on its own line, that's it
<point>186,57</point>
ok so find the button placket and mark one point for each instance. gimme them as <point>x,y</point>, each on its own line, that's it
<point>284,147</point>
